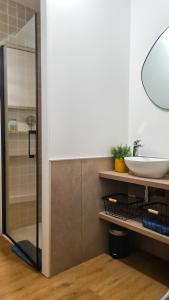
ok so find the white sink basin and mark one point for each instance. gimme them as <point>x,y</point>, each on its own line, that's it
<point>147,166</point>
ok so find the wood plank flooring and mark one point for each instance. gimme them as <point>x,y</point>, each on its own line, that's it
<point>139,277</point>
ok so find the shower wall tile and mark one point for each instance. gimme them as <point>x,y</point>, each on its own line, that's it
<point>4,18</point>
<point>20,23</point>
<point>3,7</point>
<point>12,21</point>
<point>13,17</point>
<point>21,214</point>
<point>21,179</point>
<point>21,11</point>
<point>12,11</point>
<point>11,3</point>
<point>39,110</point>
<point>22,173</point>
<point>28,12</point>
<point>4,27</point>
<point>18,142</point>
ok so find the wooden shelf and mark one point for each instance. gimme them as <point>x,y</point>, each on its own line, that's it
<point>126,177</point>
<point>135,226</point>
<point>18,156</point>
<point>22,198</point>
<point>11,107</point>
<point>18,132</point>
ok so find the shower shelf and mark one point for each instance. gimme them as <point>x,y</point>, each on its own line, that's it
<point>18,132</point>
<point>23,198</point>
<point>11,107</point>
<point>20,155</point>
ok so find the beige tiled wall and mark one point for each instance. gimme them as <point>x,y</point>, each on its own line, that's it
<point>22,179</point>
<point>66,223</point>
<point>22,170</point>
<point>20,76</point>
<point>13,17</point>
<point>18,141</point>
<point>20,215</point>
<point>39,115</point>
<point>77,234</point>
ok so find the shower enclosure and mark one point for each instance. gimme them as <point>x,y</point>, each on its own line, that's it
<point>20,134</point>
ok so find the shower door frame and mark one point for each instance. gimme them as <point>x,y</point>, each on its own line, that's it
<point>3,104</point>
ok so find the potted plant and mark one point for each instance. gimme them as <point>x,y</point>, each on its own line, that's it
<point>119,152</point>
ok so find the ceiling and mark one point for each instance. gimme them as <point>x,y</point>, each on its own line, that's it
<point>35,4</point>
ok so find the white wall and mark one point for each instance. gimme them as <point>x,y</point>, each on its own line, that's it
<point>85,85</point>
<point>85,81</point>
<point>87,76</point>
<point>148,20</point>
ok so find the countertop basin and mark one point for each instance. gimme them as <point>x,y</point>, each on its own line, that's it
<point>147,166</point>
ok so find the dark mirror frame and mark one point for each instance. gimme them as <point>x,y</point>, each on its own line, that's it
<point>162,108</point>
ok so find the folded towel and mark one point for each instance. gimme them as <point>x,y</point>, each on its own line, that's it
<point>156,225</point>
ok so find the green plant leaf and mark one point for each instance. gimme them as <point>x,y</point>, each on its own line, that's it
<point>121,151</point>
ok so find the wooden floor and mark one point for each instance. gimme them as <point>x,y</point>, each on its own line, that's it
<point>139,277</point>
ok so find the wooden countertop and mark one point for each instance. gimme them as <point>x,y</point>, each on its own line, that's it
<point>162,183</point>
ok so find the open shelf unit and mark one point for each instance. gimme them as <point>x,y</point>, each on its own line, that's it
<point>131,224</point>
<point>135,226</point>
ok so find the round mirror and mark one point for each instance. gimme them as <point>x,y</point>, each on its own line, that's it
<point>155,72</point>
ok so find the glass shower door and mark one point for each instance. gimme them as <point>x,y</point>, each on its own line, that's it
<point>21,161</point>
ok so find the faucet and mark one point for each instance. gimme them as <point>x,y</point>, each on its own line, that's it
<point>136,145</point>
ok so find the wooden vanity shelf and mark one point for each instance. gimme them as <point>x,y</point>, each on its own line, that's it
<point>126,177</point>
<point>135,225</point>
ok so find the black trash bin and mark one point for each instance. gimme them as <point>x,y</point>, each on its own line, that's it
<point>118,243</point>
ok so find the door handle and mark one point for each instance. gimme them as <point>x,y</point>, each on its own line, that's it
<point>30,134</point>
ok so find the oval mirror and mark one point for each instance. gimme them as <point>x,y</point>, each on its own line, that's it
<point>155,72</point>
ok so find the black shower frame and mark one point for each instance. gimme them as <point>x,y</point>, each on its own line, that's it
<point>37,263</point>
